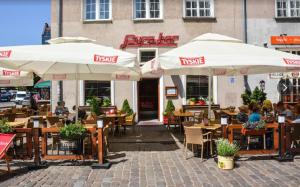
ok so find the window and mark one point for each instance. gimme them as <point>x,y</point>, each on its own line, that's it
<point>288,8</point>
<point>146,56</point>
<point>196,86</point>
<point>97,9</point>
<point>147,9</point>
<point>198,8</point>
<point>99,89</point>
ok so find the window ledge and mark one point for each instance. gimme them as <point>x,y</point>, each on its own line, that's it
<point>148,20</point>
<point>199,19</point>
<point>287,19</point>
<point>98,21</point>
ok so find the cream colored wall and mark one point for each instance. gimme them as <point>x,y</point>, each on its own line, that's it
<point>229,21</point>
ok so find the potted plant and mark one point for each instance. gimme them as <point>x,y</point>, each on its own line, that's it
<point>201,101</point>
<point>4,127</point>
<point>95,104</point>
<point>72,137</point>
<point>226,152</point>
<point>192,101</point>
<point>126,109</point>
<point>170,108</point>
<point>106,102</point>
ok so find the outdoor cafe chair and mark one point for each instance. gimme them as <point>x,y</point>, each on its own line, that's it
<point>105,139</point>
<point>195,136</point>
<point>130,121</point>
<point>198,117</point>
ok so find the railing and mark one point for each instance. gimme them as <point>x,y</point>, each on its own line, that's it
<point>61,150</point>
<point>22,144</point>
<point>234,130</point>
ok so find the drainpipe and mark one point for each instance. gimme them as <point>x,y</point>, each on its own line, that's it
<point>60,31</point>
<point>246,84</point>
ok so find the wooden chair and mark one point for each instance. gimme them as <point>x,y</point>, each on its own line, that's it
<point>195,136</point>
<point>172,120</point>
<point>10,117</point>
<point>52,121</point>
<point>130,122</point>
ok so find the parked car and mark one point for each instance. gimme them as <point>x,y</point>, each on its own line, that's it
<point>26,101</point>
<point>20,95</point>
<point>5,97</point>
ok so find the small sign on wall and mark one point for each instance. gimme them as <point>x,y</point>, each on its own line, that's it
<point>171,91</point>
<point>232,80</point>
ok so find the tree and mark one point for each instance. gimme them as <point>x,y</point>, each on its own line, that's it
<point>170,107</point>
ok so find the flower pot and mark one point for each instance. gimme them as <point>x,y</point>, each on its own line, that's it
<point>165,120</point>
<point>225,162</point>
<point>192,103</point>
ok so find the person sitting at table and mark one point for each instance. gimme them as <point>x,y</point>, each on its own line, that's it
<point>254,113</point>
<point>242,116</point>
<point>61,109</point>
<point>283,109</point>
<point>81,113</point>
<point>33,105</point>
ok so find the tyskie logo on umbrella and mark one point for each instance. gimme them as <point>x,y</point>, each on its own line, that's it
<point>5,54</point>
<point>11,73</point>
<point>291,61</point>
<point>4,81</point>
<point>191,61</point>
<point>122,77</point>
<point>105,59</point>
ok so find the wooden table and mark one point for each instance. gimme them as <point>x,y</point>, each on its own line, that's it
<point>183,114</point>
<point>211,127</point>
<point>16,124</point>
<point>229,113</point>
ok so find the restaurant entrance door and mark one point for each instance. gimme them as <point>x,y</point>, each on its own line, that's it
<point>148,99</point>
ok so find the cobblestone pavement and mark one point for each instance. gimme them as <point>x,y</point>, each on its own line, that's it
<point>160,164</point>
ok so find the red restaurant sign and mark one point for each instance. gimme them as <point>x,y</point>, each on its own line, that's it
<point>5,54</point>
<point>11,73</point>
<point>105,59</point>
<point>132,40</point>
<point>192,61</point>
<point>285,40</point>
<point>5,142</point>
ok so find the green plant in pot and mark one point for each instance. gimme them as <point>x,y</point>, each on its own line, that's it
<point>126,109</point>
<point>106,102</point>
<point>72,136</point>
<point>95,104</point>
<point>226,152</point>
<point>5,127</point>
<point>192,101</point>
<point>170,108</point>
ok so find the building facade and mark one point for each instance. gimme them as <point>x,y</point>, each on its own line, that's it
<point>276,25</point>
<point>125,24</point>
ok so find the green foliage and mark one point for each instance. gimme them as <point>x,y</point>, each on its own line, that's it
<point>4,127</point>
<point>246,96</point>
<point>170,108</point>
<point>226,149</point>
<point>258,95</point>
<point>267,106</point>
<point>126,108</point>
<point>106,102</point>
<point>95,104</point>
<point>73,131</point>
<point>193,99</point>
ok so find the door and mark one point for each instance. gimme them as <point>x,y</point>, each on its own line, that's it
<point>148,99</point>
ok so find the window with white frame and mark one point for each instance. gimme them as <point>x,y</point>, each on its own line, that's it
<point>198,8</point>
<point>97,9</point>
<point>288,8</point>
<point>147,9</point>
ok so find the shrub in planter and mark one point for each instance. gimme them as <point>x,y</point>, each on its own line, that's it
<point>170,108</point>
<point>72,136</point>
<point>4,127</point>
<point>106,102</point>
<point>226,152</point>
<point>95,104</point>
<point>126,108</point>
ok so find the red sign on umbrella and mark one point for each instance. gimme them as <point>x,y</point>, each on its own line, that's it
<point>5,143</point>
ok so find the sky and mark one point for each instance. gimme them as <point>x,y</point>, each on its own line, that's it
<point>22,21</point>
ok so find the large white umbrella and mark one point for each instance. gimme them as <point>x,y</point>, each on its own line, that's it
<point>70,58</point>
<point>214,54</point>
<point>15,78</point>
